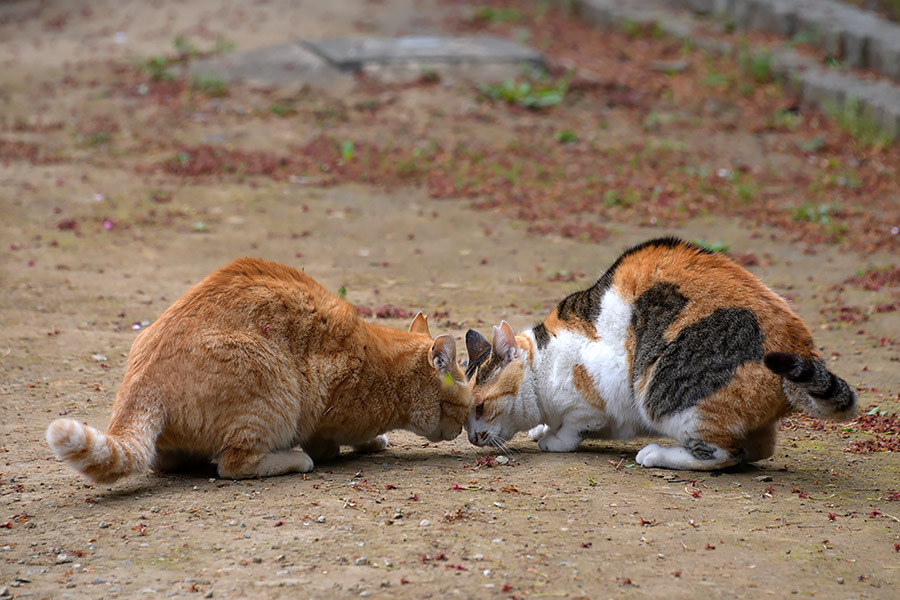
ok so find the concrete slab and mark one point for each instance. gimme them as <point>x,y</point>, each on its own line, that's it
<point>355,53</point>
<point>281,64</point>
<point>332,62</point>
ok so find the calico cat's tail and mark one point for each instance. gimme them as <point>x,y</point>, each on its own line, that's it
<point>106,457</point>
<point>810,386</point>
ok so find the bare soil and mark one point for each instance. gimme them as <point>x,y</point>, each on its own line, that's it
<point>99,235</point>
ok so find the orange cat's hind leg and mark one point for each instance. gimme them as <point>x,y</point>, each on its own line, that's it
<point>376,444</point>
<point>240,464</point>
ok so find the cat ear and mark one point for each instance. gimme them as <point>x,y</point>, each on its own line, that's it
<point>442,355</point>
<point>476,345</point>
<point>420,325</point>
<point>504,343</point>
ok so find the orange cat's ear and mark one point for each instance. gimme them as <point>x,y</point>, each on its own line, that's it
<point>442,355</point>
<point>420,325</point>
<point>504,344</point>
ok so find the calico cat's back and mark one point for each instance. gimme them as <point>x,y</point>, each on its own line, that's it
<point>668,275</point>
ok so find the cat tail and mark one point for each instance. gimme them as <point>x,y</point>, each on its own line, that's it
<point>128,446</point>
<point>811,387</point>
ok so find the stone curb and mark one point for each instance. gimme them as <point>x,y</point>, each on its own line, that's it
<point>856,37</point>
<point>822,87</point>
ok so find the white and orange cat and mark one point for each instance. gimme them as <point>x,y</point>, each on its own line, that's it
<point>256,360</point>
<point>673,340</point>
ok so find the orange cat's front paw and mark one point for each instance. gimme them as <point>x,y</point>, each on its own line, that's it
<point>376,444</point>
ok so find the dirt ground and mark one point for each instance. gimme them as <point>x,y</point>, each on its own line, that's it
<point>99,236</point>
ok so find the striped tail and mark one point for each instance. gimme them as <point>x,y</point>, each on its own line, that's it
<point>811,387</point>
<point>106,457</point>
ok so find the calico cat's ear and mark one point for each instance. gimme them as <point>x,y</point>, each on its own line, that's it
<point>420,325</point>
<point>504,343</point>
<point>476,345</point>
<point>442,355</point>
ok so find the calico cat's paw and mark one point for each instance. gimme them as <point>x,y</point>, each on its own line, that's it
<point>376,444</point>
<point>651,455</point>
<point>537,432</point>
<point>558,442</point>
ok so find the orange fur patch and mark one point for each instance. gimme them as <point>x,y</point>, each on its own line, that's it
<point>751,401</point>
<point>525,345</point>
<point>586,387</point>
<point>554,324</point>
<point>498,391</point>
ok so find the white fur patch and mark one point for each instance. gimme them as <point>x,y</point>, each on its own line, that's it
<point>66,436</point>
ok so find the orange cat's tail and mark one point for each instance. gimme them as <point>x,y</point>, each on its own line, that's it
<point>810,386</point>
<point>105,457</point>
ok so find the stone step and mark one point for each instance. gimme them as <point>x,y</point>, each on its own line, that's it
<point>820,86</point>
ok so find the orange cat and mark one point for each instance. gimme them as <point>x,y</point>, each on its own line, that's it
<point>257,359</point>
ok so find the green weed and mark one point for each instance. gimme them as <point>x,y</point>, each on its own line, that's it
<point>717,247</point>
<point>342,292</point>
<point>210,85</point>
<point>347,150</point>
<point>714,79</point>
<point>489,14</point>
<point>756,64</point>
<point>280,110</point>
<point>822,214</point>
<point>859,122</point>
<point>785,120</point>
<point>157,68</point>
<point>534,95</point>
<point>566,136</point>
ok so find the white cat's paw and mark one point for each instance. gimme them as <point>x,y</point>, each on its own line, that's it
<point>556,443</point>
<point>651,455</point>
<point>538,431</point>
<point>376,444</point>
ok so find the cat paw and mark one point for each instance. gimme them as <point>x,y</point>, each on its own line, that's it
<point>537,432</point>
<point>376,444</point>
<point>555,443</point>
<point>651,455</point>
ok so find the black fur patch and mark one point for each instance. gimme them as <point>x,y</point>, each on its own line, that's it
<point>541,335</point>
<point>477,362</point>
<point>700,449</point>
<point>584,305</point>
<point>653,312</point>
<point>703,359</point>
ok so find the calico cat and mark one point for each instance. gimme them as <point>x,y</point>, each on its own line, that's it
<point>259,358</point>
<point>673,340</point>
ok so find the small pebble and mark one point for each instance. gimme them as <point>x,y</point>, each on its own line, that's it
<point>321,519</point>
<point>424,523</point>
<point>361,561</point>
<point>501,460</point>
<point>764,478</point>
<point>63,558</point>
<point>103,525</point>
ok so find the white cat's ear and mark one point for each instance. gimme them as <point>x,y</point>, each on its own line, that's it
<point>504,343</point>
<point>420,325</point>
<point>442,355</point>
